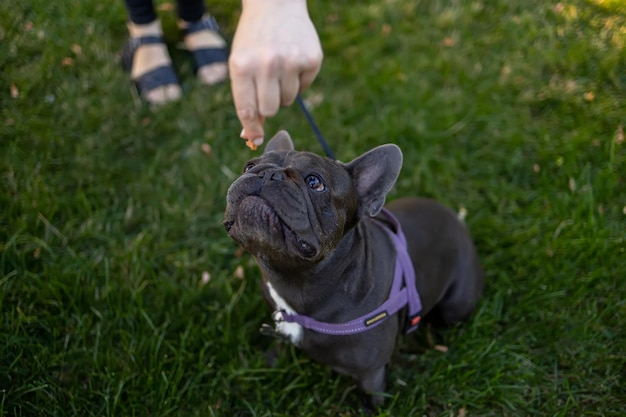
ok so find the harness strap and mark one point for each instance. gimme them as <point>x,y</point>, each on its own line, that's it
<point>403,292</point>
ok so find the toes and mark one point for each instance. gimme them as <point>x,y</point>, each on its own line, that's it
<point>213,74</point>
<point>164,94</point>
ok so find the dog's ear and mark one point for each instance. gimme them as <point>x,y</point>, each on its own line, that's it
<point>280,142</point>
<point>374,173</point>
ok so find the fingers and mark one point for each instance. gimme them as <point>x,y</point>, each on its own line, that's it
<point>268,95</point>
<point>245,97</point>
<point>262,83</point>
<point>299,72</point>
<point>277,83</point>
<point>261,97</point>
<point>310,71</point>
<point>289,88</point>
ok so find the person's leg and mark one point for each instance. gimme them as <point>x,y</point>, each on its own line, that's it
<point>190,10</point>
<point>203,40</point>
<point>151,65</point>
<point>141,12</point>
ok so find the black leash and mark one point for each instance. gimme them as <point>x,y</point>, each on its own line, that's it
<point>316,130</point>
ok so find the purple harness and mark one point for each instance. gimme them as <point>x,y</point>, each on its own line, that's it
<point>402,292</point>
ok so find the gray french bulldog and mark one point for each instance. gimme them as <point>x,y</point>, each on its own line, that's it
<point>321,237</point>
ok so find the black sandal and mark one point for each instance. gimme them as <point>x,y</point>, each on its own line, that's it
<point>158,77</point>
<point>207,56</point>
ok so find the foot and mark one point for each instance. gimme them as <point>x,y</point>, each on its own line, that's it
<point>202,36</point>
<point>149,57</point>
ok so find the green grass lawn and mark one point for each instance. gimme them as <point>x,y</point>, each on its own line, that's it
<point>110,212</point>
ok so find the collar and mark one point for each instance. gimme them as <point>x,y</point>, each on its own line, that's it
<point>403,292</point>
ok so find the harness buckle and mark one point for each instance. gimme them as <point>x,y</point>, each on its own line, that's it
<point>413,322</point>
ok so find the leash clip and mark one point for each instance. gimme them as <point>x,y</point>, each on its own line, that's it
<point>268,330</point>
<point>278,316</point>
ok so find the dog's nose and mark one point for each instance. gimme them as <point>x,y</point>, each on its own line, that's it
<point>272,175</point>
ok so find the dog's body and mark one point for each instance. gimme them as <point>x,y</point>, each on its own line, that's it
<point>315,228</point>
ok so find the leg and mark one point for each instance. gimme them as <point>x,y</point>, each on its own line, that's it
<point>146,55</point>
<point>203,40</point>
<point>460,300</point>
<point>373,385</point>
<point>141,12</point>
<point>466,287</point>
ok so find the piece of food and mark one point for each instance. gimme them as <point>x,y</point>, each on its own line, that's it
<point>250,144</point>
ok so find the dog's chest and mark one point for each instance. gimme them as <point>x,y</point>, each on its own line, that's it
<point>293,331</point>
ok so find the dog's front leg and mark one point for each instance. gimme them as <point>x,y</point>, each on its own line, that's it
<point>373,383</point>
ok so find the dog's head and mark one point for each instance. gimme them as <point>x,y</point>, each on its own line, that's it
<point>292,208</point>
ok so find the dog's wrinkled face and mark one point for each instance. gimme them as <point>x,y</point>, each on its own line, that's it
<point>291,209</point>
<point>290,205</point>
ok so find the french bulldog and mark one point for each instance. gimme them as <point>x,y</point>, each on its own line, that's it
<point>317,229</point>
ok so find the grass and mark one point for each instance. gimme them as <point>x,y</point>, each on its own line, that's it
<point>110,212</point>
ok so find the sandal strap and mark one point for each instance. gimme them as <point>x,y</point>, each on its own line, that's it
<point>205,23</point>
<point>208,56</point>
<point>135,43</point>
<point>155,78</point>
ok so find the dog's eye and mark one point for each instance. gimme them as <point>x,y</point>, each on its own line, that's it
<point>315,183</point>
<point>248,167</point>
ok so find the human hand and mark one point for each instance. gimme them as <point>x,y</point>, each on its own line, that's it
<point>276,53</point>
